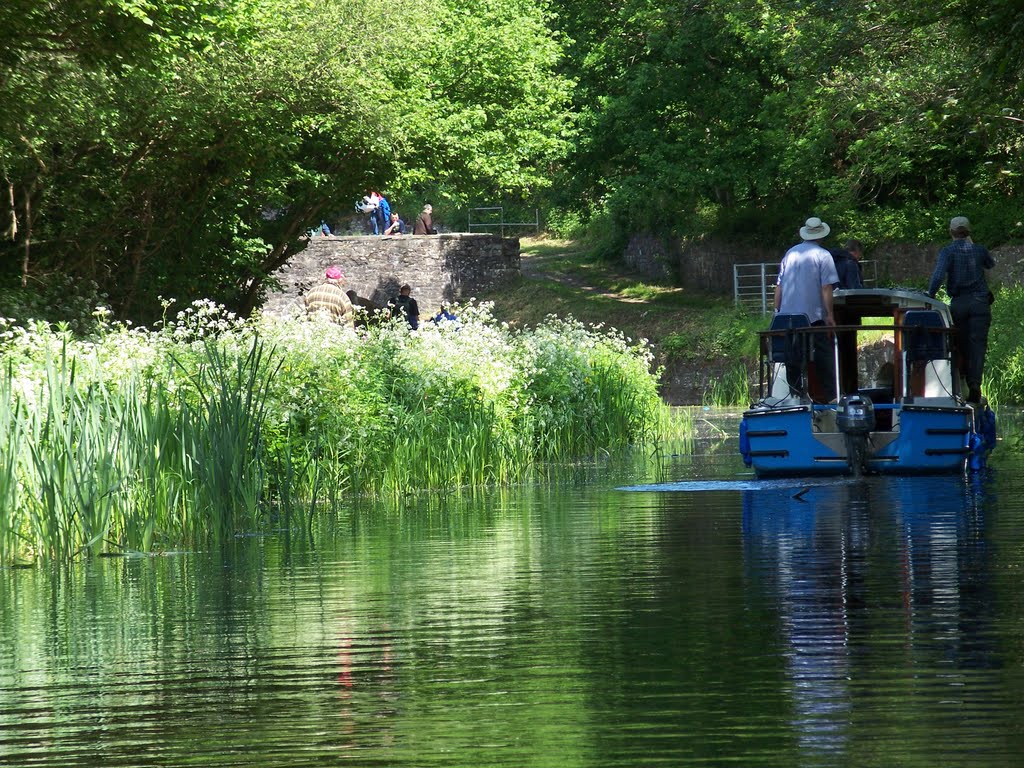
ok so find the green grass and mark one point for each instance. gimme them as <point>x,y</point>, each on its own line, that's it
<point>575,283</point>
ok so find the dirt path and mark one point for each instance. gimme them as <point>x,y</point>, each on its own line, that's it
<point>537,267</point>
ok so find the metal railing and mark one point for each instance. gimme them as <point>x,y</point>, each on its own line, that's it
<point>753,285</point>
<point>493,217</point>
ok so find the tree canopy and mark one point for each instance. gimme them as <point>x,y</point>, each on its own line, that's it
<point>739,117</point>
<point>182,148</point>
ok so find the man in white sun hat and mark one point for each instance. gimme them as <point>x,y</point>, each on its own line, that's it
<point>806,277</point>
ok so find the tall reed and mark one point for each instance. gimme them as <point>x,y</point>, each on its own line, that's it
<point>204,433</point>
<point>154,467</point>
<point>732,388</point>
<point>12,445</point>
<point>72,469</point>
<point>222,437</point>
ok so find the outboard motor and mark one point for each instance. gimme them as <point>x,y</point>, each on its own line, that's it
<point>855,417</point>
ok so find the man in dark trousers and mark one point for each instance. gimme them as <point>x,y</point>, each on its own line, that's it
<point>962,265</point>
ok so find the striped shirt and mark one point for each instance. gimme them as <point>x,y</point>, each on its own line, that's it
<point>330,298</point>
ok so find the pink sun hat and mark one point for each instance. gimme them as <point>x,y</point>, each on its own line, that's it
<point>334,273</point>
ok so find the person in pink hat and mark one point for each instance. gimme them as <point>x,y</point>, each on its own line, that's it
<point>330,297</point>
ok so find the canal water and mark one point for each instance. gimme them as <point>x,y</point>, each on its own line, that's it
<point>663,610</point>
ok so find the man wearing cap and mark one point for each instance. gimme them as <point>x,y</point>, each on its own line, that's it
<point>804,287</point>
<point>331,298</point>
<point>962,265</point>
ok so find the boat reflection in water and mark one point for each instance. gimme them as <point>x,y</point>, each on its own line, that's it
<point>879,586</point>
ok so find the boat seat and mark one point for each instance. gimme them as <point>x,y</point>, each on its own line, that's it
<point>878,395</point>
<point>919,342</point>
<point>788,348</point>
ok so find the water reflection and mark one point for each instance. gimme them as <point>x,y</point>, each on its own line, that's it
<point>825,553</point>
<point>724,622</point>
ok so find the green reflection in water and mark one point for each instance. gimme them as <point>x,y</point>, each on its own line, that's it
<point>571,624</point>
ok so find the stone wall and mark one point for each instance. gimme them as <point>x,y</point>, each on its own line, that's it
<point>707,265</point>
<point>650,256</point>
<point>913,264</point>
<point>442,267</point>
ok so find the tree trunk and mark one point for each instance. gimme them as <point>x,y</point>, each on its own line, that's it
<point>28,235</point>
<point>11,232</point>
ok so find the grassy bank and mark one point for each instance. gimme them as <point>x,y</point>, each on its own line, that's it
<point>706,347</point>
<point>138,440</point>
<point>705,344</point>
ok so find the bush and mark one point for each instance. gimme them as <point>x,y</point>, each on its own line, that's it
<point>1004,367</point>
<point>137,439</point>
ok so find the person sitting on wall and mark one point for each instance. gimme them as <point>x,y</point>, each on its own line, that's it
<point>405,306</point>
<point>330,298</point>
<point>396,227</point>
<point>425,222</point>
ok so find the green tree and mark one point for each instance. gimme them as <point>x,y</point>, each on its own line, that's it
<point>739,118</point>
<point>187,155</point>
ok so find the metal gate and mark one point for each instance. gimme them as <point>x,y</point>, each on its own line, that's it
<point>753,285</point>
<point>493,218</point>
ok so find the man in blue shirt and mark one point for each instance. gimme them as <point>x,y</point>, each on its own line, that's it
<point>962,265</point>
<point>806,277</point>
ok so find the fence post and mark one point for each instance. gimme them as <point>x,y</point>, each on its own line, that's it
<point>764,291</point>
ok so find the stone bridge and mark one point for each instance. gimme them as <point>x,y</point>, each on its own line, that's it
<point>452,267</point>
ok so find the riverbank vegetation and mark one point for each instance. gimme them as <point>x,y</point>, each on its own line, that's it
<point>704,339</point>
<point>183,148</point>
<point>139,440</point>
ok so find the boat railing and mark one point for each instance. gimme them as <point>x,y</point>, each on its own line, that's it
<point>922,339</point>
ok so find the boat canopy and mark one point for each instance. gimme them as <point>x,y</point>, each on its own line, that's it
<point>853,304</point>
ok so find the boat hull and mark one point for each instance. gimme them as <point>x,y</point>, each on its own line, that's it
<point>802,441</point>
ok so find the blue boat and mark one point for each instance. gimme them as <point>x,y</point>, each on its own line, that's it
<point>906,416</point>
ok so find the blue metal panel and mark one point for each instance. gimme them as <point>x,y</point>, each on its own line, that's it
<point>781,442</point>
<point>931,440</point>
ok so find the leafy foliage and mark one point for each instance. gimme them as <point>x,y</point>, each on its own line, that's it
<point>210,426</point>
<point>741,118</point>
<point>183,149</point>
